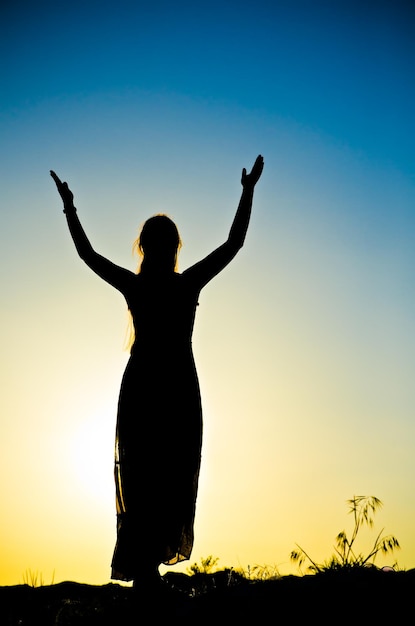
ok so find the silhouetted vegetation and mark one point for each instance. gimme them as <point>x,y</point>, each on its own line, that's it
<point>363,509</point>
<point>207,593</point>
<point>366,594</point>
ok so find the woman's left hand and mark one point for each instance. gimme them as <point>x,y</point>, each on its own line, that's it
<point>64,191</point>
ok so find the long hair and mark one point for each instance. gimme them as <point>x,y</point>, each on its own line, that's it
<point>158,246</point>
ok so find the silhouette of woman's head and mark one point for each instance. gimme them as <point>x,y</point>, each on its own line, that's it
<point>158,244</point>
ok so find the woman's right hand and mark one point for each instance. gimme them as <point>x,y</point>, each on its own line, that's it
<point>251,179</point>
<point>64,192</point>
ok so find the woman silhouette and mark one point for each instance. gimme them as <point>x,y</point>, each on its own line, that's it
<point>159,419</point>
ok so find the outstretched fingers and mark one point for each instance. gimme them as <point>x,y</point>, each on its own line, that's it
<point>257,167</point>
<point>55,178</point>
<point>63,189</point>
<point>252,178</point>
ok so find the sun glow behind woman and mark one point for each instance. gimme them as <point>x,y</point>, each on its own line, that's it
<point>322,293</point>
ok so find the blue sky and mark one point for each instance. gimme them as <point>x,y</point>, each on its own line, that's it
<point>304,346</point>
<point>343,68</point>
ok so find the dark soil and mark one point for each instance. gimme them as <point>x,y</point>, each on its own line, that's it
<point>358,597</point>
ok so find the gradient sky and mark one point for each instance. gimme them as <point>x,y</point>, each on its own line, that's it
<point>305,345</point>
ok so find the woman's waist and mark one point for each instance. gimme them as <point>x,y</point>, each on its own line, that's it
<point>161,346</point>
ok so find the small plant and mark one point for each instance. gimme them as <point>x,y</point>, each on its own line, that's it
<point>363,509</point>
<point>206,565</point>
<point>35,579</point>
<point>263,572</point>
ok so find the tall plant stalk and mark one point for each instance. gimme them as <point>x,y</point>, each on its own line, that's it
<point>363,509</point>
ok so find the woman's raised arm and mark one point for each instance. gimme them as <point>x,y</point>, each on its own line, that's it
<point>241,221</point>
<point>108,271</point>
<point>211,265</point>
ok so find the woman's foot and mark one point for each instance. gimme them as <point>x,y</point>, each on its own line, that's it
<point>148,580</point>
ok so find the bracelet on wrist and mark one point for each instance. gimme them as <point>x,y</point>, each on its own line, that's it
<point>70,209</point>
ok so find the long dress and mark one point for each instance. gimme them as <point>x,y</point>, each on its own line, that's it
<point>159,420</point>
<point>159,427</point>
